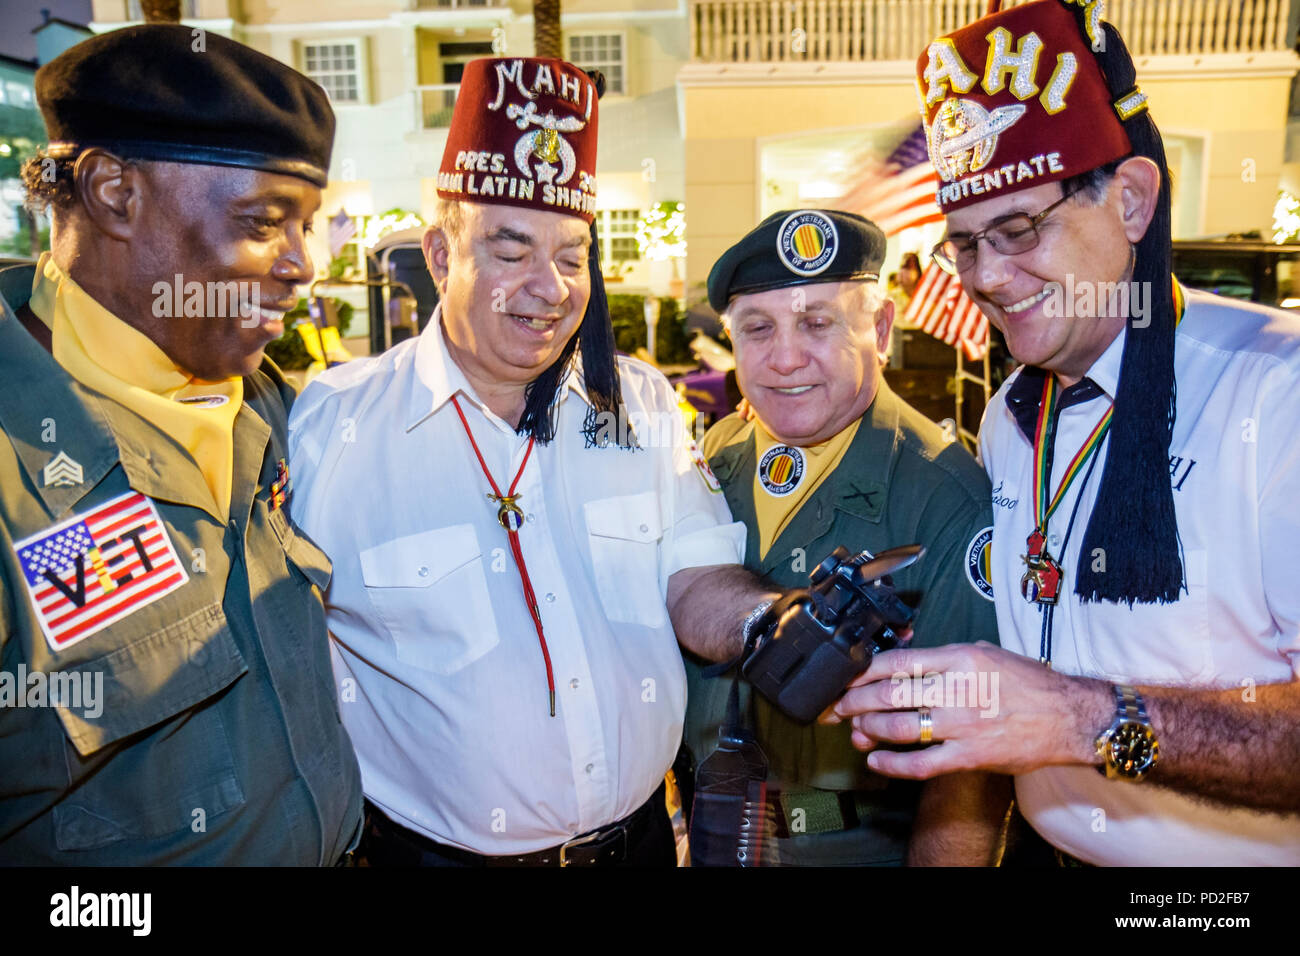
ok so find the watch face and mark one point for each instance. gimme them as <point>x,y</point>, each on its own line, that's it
<point>1132,749</point>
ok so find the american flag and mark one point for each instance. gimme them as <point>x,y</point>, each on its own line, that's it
<point>96,568</point>
<point>898,194</point>
<point>940,308</point>
<point>342,228</point>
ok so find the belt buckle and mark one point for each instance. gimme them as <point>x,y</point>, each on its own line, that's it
<point>576,841</point>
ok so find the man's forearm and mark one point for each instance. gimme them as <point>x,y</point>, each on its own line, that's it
<point>959,820</point>
<point>1238,746</point>
<point>708,607</point>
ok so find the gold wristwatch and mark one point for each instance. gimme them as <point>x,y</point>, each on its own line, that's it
<point>1128,747</point>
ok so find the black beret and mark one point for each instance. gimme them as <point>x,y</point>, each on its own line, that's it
<point>166,92</point>
<point>795,247</point>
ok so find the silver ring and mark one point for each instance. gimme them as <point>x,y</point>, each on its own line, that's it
<point>927,725</point>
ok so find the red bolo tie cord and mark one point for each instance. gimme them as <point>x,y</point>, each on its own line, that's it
<point>511,517</point>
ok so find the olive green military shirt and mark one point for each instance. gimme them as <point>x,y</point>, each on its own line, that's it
<point>899,482</point>
<point>207,729</point>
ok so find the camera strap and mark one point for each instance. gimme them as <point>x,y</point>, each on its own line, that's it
<point>732,823</point>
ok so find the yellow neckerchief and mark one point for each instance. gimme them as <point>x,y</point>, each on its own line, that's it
<point>105,354</point>
<point>781,470</point>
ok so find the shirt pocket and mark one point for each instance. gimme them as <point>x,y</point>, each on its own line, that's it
<point>430,592</point>
<point>157,751</point>
<point>624,534</point>
<point>1154,642</point>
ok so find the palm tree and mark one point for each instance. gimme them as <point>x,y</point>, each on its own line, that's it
<point>161,11</point>
<point>546,29</point>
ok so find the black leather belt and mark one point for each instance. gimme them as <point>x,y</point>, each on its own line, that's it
<point>605,846</point>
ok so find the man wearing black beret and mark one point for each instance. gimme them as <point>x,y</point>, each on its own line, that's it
<point>165,685</point>
<point>833,457</point>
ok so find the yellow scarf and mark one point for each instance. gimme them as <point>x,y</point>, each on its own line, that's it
<point>105,354</point>
<point>786,477</point>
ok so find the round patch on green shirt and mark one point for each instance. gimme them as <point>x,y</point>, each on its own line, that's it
<point>781,470</point>
<point>978,570</point>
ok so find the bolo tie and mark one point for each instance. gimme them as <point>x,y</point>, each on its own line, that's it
<point>511,517</point>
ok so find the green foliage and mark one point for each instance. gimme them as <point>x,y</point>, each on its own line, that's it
<point>19,245</point>
<point>288,351</point>
<point>661,233</point>
<point>628,315</point>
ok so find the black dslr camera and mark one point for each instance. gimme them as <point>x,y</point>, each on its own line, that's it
<point>812,644</point>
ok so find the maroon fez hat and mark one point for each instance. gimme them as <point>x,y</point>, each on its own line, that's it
<point>1017,99</point>
<point>523,133</point>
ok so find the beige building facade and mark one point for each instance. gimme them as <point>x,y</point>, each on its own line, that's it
<point>743,107</point>
<point>781,101</point>
<point>392,69</point>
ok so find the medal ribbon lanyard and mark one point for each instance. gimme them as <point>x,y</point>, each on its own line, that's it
<point>1043,507</point>
<point>511,517</point>
<point>1042,579</point>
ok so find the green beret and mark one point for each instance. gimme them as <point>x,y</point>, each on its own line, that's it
<point>796,247</point>
<point>166,92</point>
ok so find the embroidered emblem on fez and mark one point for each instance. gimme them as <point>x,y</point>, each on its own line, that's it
<point>545,143</point>
<point>781,470</point>
<point>978,563</point>
<point>807,242</point>
<point>964,135</point>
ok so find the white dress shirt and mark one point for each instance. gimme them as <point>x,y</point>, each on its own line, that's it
<point>441,676</point>
<point>1235,470</point>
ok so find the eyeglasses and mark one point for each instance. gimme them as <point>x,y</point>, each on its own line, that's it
<point>1010,236</point>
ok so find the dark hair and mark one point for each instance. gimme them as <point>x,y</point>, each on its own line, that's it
<point>595,337</point>
<point>48,182</point>
<point>1093,184</point>
<point>910,260</point>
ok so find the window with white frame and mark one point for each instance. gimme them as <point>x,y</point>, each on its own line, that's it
<point>617,231</point>
<point>337,67</point>
<point>600,51</point>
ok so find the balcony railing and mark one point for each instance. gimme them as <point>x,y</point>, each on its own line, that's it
<point>456,4</point>
<point>765,31</point>
<point>434,105</point>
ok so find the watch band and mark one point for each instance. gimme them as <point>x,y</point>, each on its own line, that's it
<point>1129,704</point>
<point>752,619</point>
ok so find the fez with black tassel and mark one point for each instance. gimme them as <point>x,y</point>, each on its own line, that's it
<point>1087,113</point>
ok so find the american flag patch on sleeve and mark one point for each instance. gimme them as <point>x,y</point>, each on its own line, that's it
<point>96,568</point>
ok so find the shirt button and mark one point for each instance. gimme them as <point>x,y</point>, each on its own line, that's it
<point>423,572</point>
<point>574,683</point>
<point>550,597</point>
<point>589,768</point>
<point>1053,540</point>
<point>532,517</point>
<point>645,529</point>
